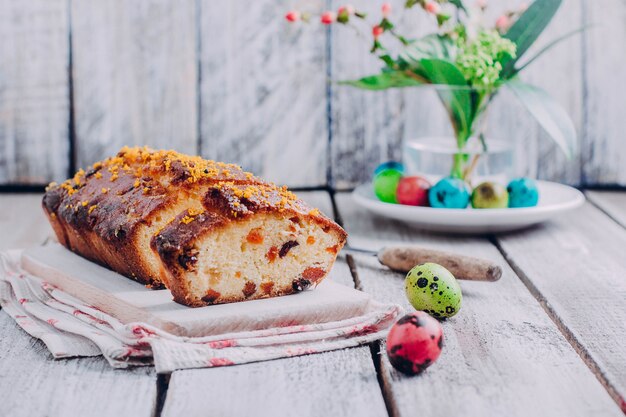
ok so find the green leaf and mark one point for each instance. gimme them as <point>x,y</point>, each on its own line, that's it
<point>430,46</point>
<point>550,115</point>
<point>383,81</point>
<point>402,39</point>
<point>550,45</point>
<point>527,29</point>
<point>441,71</point>
<point>343,17</point>
<point>386,24</point>
<point>458,101</point>
<point>459,5</point>
<point>388,60</point>
<point>442,18</point>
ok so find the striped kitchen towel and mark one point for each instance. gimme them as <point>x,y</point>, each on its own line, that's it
<point>70,327</point>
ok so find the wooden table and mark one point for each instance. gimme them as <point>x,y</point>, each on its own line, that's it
<point>549,338</point>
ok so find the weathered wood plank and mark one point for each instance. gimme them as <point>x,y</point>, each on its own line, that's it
<point>576,267</point>
<point>341,382</point>
<point>612,203</point>
<point>603,146</point>
<point>34,91</point>
<point>547,73</point>
<point>366,127</point>
<point>22,221</point>
<point>535,152</point>
<point>34,384</point>
<point>31,381</point>
<point>262,91</point>
<point>502,354</point>
<point>337,383</point>
<point>134,76</point>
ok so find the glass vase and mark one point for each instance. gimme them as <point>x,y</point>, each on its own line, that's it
<point>488,146</point>
<point>434,157</point>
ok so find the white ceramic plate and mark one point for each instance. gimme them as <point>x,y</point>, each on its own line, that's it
<point>554,199</point>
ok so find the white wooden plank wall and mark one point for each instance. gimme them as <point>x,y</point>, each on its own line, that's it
<point>367,127</point>
<point>34,99</point>
<point>605,93</point>
<point>559,72</point>
<point>134,76</point>
<point>263,89</point>
<point>235,82</point>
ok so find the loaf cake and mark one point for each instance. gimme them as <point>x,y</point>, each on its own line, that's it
<point>208,231</point>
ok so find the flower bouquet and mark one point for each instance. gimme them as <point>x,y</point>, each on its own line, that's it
<point>467,63</point>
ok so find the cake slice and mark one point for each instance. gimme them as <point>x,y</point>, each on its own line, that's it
<point>208,231</point>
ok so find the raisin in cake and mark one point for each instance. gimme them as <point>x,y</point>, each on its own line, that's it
<point>206,230</point>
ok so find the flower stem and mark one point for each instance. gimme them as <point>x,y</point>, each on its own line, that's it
<point>460,168</point>
<point>457,165</point>
<point>467,174</point>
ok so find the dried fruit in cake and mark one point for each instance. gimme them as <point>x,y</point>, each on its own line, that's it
<point>208,231</point>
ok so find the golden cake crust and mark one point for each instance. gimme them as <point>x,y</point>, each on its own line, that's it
<point>103,213</point>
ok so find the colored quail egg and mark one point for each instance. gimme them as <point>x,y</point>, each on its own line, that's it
<point>449,193</point>
<point>414,343</point>
<point>490,195</point>
<point>413,191</point>
<point>432,288</point>
<point>523,192</point>
<point>385,185</point>
<point>389,165</point>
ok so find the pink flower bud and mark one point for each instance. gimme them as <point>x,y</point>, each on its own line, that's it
<point>432,7</point>
<point>481,3</point>
<point>292,16</point>
<point>348,9</point>
<point>328,18</point>
<point>377,31</point>
<point>386,9</point>
<point>503,22</point>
